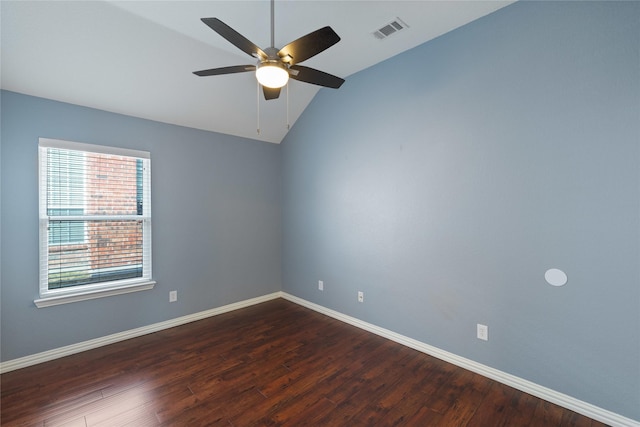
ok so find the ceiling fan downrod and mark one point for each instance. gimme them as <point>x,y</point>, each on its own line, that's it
<point>273,24</point>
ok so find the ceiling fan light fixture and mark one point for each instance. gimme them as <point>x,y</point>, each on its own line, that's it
<point>276,66</point>
<point>272,74</point>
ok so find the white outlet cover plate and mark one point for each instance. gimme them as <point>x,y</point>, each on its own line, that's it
<point>483,332</point>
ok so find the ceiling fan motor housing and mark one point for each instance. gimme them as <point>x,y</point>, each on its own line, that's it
<point>271,71</point>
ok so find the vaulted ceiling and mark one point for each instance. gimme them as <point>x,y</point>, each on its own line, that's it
<point>137,57</point>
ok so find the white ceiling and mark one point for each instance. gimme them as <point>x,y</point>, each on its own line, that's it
<point>137,57</point>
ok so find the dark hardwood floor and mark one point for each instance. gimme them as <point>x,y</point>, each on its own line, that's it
<point>273,364</point>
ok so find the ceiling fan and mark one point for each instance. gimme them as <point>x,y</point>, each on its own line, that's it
<point>275,67</point>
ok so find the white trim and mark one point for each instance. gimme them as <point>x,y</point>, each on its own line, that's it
<point>576,405</point>
<point>56,353</point>
<point>50,298</point>
<point>92,148</point>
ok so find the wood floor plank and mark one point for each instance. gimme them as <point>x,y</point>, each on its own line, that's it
<point>76,422</point>
<point>139,416</point>
<point>272,364</point>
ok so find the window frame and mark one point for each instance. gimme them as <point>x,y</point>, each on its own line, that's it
<point>49,297</point>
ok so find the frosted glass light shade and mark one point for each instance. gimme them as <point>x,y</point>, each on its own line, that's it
<point>272,75</point>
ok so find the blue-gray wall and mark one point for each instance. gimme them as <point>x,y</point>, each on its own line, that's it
<point>216,223</point>
<point>444,183</point>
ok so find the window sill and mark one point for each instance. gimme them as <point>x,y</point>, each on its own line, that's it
<point>87,294</point>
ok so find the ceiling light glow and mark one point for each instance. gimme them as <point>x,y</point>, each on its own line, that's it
<point>272,74</point>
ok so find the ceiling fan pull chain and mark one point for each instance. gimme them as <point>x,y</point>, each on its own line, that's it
<point>257,108</point>
<point>288,123</point>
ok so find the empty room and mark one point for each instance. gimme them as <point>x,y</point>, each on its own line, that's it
<point>323,213</point>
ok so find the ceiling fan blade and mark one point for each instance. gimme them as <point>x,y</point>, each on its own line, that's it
<point>234,37</point>
<point>313,76</point>
<point>270,93</point>
<point>225,70</point>
<point>307,46</point>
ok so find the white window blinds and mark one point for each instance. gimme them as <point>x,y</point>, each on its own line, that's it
<point>95,216</point>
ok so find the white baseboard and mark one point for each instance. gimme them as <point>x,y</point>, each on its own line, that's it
<point>576,405</point>
<point>23,362</point>
<point>526,386</point>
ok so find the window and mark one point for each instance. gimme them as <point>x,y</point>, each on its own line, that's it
<point>95,221</point>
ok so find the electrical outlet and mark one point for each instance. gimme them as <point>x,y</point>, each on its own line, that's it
<point>173,296</point>
<point>320,285</point>
<point>483,332</point>
<point>360,296</point>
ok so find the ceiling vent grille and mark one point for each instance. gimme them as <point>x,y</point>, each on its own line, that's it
<point>390,29</point>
